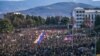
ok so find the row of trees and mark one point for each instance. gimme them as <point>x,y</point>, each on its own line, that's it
<point>12,20</point>
<point>5,26</point>
<point>57,20</point>
<point>21,21</point>
<point>97,29</point>
<point>97,24</point>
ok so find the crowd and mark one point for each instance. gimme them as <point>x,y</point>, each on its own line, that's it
<point>55,43</point>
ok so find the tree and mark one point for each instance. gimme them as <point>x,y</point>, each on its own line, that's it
<point>97,23</point>
<point>52,20</point>
<point>98,47</point>
<point>47,22</point>
<point>30,22</point>
<point>16,19</point>
<point>57,19</point>
<point>64,20</point>
<point>5,26</point>
<point>41,20</point>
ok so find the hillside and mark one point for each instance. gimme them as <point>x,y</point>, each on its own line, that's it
<point>57,9</point>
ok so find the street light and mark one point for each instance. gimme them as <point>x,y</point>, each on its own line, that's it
<point>95,37</point>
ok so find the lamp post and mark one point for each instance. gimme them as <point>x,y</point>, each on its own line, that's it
<point>95,39</point>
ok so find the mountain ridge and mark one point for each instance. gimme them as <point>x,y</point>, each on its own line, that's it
<point>57,9</point>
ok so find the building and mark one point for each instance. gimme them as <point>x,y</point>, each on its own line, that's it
<point>86,15</point>
<point>17,13</point>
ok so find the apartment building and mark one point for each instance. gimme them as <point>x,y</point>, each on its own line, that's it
<point>84,15</point>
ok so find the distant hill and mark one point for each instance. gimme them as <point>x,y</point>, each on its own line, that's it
<point>57,9</point>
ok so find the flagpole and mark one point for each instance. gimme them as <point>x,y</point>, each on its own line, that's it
<point>72,23</point>
<point>95,41</point>
<point>72,38</point>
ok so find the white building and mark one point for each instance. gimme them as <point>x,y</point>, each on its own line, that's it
<point>80,14</point>
<point>17,13</point>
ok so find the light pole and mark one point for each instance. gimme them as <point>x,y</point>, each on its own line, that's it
<point>95,39</point>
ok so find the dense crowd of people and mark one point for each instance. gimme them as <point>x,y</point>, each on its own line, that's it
<point>55,43</point>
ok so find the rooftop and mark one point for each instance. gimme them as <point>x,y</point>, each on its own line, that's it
<point>79,8</point>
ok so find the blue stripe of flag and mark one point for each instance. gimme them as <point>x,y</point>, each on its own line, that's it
<point>41,37</point>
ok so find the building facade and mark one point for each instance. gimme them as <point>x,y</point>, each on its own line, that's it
<point>83,15</point>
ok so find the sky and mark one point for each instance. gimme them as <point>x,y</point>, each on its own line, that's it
<point>26,4</point>
<point>34,3</point>
<point>11,0</point>
<point>50,0</point>
<point>46,2</point>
